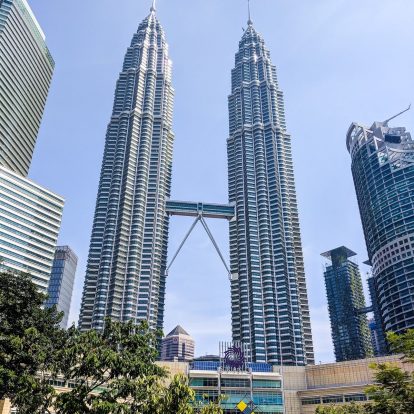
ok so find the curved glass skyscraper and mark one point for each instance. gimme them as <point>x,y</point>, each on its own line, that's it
<point>383,171</point>
<point>125,277</point>
<point>270,310</point>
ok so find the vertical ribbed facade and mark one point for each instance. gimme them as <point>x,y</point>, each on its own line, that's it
<point>26,69</point>
<point>270,311</point>
<point>346,303</point>
<point>61,282</point>
<point>125,277</point>
<point>383,172</point>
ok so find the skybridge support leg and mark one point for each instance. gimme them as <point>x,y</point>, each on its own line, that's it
<point>209,234</point>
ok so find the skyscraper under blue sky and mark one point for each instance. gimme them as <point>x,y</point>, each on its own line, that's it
<point>312,43</point>
<point>61,281</point>
<point>270,309</point>
<point>26,68</point>
<point>125,276</point>
<point>383,171</point>
<point>346,303</point>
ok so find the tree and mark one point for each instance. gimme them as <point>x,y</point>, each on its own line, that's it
<point>346,409</point>
<point>178,397</point>
<point>29,339</point>
<point>112,371</point>
<point>393,392</point>
<point>211,408</point>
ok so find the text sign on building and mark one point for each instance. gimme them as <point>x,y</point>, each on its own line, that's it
<point>233,356</point>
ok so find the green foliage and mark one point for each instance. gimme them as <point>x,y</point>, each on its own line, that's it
<point>211,408</point>
<point>178,397</point>
<point>113,371</point>
<point>403,344</point>
<point>29,339</point>
<point>394,391</point>
<point>344,409</point>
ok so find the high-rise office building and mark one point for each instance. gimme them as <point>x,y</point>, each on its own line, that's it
<point>26,69</point>
<point>30,218</point>
<point>125,277</point>
<point>61,282</point>
<point>383,171</point>
<point>178,345</point>
<point>346,303</point>
<point>270,311</point>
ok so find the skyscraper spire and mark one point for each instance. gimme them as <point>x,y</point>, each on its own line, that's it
<point>249,22</point>
<point>153,7</point>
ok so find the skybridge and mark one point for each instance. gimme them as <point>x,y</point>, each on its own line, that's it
<point>201,211</point>
<point>195,209</point>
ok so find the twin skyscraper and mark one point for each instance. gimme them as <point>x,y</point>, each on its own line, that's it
<point>126,270</point>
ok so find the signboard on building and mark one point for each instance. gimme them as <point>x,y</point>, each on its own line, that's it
<point>234,356</point>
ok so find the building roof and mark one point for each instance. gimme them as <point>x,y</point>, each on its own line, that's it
<point>344,251</point>
<point>178,330</point>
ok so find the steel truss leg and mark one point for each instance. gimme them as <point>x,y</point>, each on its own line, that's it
<point>209,234</point>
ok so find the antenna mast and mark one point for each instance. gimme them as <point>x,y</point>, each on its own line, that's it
<point>395,116</point>
<point>249,22</point>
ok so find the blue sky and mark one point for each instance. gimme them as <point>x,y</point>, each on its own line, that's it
<point>338,61</point>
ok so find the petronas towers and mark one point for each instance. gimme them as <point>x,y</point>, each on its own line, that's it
<point>269,298</point>
<point>126,271</point>
<point>125,277</point>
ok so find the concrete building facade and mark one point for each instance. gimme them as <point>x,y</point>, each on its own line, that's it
<point>177,346</point>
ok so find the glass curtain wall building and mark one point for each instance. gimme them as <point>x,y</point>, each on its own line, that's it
<point>125,277</point>
<point>61,281</point>
<point>270,309</point>
<point>26,69</point>
<point>346,303</point>
<point>30,218</point>
<point>383,172</point>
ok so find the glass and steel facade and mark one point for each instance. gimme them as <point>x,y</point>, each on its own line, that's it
<point>30,218</point>
<point>270,309</point>
<point>125,277</point>
<point>61,281</point>
<point>26,69</point>
<point>383,172</point>
<point>258,388</point>
<point>346,303</point>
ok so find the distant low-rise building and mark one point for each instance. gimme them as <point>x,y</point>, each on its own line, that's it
<point>61,281</point>
<point>178,345</point>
